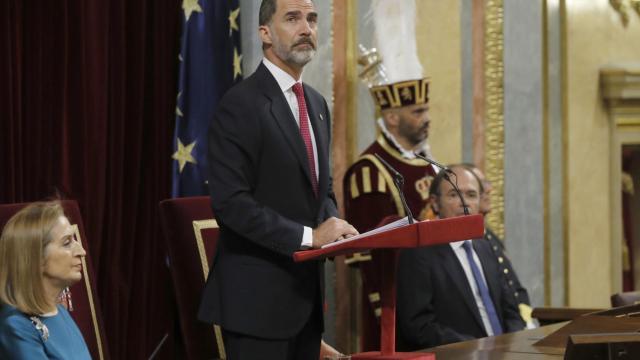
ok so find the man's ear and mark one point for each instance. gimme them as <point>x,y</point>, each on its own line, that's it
<point>433,201</point>
<point>265,34</point>
<point>391,118</point>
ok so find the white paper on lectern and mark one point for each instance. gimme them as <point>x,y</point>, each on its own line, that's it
<point>390,226</point>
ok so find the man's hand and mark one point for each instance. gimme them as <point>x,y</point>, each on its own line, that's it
<point>327,350</point>
<point>331,230</point>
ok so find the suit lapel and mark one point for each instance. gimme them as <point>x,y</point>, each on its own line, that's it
<point>284,118</point>
<point>456,272</point>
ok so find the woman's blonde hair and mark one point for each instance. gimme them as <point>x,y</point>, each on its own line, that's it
<point>22,244</point>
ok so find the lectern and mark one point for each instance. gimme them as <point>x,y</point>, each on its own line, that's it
<point>425,233</point>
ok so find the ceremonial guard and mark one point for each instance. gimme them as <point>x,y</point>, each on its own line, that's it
<point>401,95</point>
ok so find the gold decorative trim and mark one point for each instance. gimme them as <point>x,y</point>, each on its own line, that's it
<point>357,257</point>
<point>545,155</point>
<point>352,79</point>
<point>394,191</point>
<point>494,98</point>
<point>353,181</point>
<point>366,180</point>
<point>635,4</point>
<point>566,199</point>
<point>218,331</point>
<point>378,312</point>
<point>382,185</point>
<point>374,297</point>
<point>623,9</point>
<point>198,226</point>
<point>627,121</point>
<point>396,154</point>
<point>620,85</point>
<point>87,284</point>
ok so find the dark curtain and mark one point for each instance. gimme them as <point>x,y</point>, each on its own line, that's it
<point>87,96</point>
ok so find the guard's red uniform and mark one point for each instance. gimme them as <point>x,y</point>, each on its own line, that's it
<point>371,196</point>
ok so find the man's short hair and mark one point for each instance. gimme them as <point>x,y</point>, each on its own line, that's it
<point>267,9</point>
<point>471,167</point>
<point>434,189</point>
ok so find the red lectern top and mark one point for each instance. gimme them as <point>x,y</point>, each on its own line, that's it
<point>424,233</point>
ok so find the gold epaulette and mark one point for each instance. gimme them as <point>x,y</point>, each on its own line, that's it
<point>525,312</point>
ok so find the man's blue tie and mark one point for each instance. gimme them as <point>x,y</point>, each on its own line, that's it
<point>484,292</point>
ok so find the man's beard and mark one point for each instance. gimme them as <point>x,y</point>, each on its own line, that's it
<point>292,55</point>
<point>416,137</point>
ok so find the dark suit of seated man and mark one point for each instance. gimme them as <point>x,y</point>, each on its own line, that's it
<point>443,297</point>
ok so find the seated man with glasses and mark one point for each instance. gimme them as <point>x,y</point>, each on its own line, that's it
<point>452,292</point>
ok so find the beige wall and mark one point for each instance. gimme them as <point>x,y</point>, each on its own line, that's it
<point>594,38</point>
<point>438,37</point>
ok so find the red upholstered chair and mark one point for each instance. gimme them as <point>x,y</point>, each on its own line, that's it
<point>191,234</point>
<point>85,308</point>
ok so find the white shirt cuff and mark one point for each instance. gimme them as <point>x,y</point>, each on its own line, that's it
<point>307,238</point>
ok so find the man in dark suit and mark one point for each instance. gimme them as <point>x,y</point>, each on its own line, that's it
<point>271,193</point>
<point>452,292</point>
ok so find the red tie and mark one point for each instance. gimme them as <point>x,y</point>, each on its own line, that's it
<point>306,134</point>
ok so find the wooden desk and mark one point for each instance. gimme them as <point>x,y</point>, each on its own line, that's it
<point>513,346</point>
<point>552,315</point>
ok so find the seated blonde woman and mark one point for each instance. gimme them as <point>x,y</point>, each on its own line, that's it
<point>39,258</point>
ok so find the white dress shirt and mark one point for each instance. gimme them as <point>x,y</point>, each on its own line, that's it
<point>462,257</point>
<point>286,82</point>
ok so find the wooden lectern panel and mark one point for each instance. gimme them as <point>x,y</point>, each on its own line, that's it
<point>423,233</point>
<point>617,346</point>
<point>617,320</point>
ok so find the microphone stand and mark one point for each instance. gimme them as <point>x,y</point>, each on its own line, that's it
<point>398,180</point>
<point>447,172</point>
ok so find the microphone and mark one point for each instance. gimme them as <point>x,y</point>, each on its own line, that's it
<point>447,172</point>
<point>398,180</point>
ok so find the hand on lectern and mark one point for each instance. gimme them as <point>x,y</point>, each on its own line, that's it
<point>331,230</point>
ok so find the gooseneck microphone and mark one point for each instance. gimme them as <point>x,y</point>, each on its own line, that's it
<point>447,172</point>
<point>398,180</point>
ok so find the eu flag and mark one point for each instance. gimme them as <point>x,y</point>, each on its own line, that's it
<point>210,63</point>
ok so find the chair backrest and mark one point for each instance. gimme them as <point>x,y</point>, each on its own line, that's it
<point>191,234</point>
<point>85,305</point>
<point>625,298</point>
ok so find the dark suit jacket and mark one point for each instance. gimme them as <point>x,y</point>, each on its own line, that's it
<point>435,304</point>
<point>517,291</point>
<point>262,197</point>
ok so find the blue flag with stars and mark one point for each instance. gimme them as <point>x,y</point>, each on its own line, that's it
<point>210,63</point>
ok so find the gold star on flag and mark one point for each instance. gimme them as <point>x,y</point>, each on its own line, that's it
<point>190,6</point>
<point>233,21</point>
<point>237,64</point>
<point>183,154</point>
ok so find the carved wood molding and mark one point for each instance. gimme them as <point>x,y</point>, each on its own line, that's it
<point>622,7</point>
<point>620,83</point>
<point>494,106</point>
